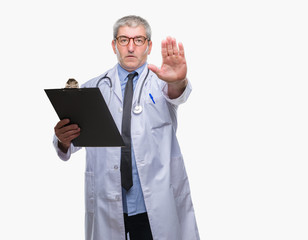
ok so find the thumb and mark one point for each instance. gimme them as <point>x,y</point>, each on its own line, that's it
<point>153,68</point>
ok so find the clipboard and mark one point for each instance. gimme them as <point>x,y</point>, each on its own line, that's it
<point>87,108</point>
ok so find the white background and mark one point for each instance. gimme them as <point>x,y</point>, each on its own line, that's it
<point>243,132</point>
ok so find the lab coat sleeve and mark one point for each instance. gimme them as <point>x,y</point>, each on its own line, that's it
<point>174,103</point>
<point>181,99</point>
<point>64,156</point>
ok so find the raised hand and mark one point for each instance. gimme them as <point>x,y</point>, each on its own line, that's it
<point>174,67</point>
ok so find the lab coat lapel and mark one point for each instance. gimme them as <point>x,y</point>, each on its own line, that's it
<point>116,83</point>
<point>139,85</point>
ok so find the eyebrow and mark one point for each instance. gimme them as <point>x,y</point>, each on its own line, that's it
<point>131,37</point>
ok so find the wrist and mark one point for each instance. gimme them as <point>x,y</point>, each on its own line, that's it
<point>175,89</point>
<point>179,84</point>
<point>63,147</point>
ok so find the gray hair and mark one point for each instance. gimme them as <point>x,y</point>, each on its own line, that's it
<point>132,21</point>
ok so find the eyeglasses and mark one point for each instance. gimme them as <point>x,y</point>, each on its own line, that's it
<point>138,40</point>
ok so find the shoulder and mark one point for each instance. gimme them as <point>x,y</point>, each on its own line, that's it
<point>93,81</point>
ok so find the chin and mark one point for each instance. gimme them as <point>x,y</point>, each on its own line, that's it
<point>130,66</point>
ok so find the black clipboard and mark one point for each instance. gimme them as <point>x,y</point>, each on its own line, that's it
<point>87,108</point>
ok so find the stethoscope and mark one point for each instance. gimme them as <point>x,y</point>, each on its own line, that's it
<point>137,108</point>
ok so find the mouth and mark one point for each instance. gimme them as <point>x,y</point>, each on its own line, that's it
<point>130,56</point>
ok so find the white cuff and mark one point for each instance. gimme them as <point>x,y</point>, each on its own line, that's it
<point>63,156</point>
<point>181,99</point>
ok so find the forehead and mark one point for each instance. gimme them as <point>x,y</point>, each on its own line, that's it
<point>132,31</point>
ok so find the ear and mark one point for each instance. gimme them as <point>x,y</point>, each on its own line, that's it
<point>113,43</point>
<point>150,47</point>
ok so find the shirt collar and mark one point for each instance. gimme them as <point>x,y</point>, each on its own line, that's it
<point>123,73</point>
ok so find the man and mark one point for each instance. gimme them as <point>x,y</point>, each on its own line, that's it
<point>140,189</point>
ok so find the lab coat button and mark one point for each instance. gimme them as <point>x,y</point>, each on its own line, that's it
<point>120,109</point>
<point>115,167</point>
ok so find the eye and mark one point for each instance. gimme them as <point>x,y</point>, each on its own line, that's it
<point>123,40</point>
<point>139,40</point>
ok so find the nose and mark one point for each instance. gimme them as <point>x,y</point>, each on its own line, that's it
<point>131,45</point>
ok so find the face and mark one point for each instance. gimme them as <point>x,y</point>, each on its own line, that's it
<point>131,56</point>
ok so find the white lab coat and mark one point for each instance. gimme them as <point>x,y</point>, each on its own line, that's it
<point>159,161</point>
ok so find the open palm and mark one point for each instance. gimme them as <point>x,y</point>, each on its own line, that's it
<point>174,67</point>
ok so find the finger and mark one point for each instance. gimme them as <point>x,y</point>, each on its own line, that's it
<point>153,68</point>
<point>68,136</point>
<point>67,128</point>
<point>65,132</point>
<point>164,52</point>
<point>181,48</point>
<point>72,137</point>
<point>169,46</point>
<point>67,142</point>
<point>175,48</point>
<point>61,123</point>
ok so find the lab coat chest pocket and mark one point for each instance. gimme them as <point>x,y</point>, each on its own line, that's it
<point>157,113</point>
<point>89,192</point>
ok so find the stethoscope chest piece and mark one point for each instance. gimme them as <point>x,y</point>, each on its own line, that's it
<point>137,109</point>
